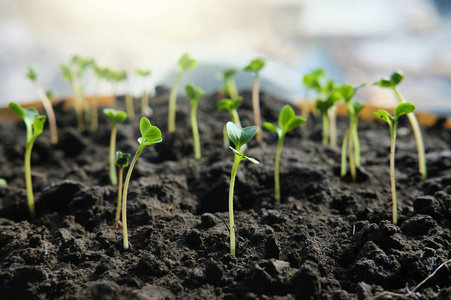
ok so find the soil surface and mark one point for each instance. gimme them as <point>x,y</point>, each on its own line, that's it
<point>329,239</point>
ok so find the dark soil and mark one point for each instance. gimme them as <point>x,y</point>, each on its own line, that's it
<point>329,239</point>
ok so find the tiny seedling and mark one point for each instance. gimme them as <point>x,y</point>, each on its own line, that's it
<point>255,66</point>
<point>229,83</point>
<point>185,63</point>
<point>115,117</point>
<point>149,135</point>
<point>232,107</point>
<point>326,105</point>
<point>392,83</point>
<point>121,163</point>
<point>287,122</point>
<point>312,81</point>
<point>145,109</point>
<point>194,94</point>
<point>34,123</point>
<point>239,137</point>
<point>401,109</point>
<point>33,76</point>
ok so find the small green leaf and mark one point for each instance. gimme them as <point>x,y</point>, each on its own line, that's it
<point>397,77</point>
<point>115,116</point>
<point>144,124</point>
<point>236,151</point>
<point>247,134</point>
<point>295,122</point>
<point>252,160</point>
<point>66,72</point>
<point>38,125</point>
<point>49,94</point>
<point>227,74</point>
<point>186,63</point>
<point>255,66</point>
<point>384,83</point>
<point>150,134</point>
<point>285,116</point>
<point>234,133</point>
<point>122,159</point>
<point>322,106</point>
<point>3,182</point>
<point>31,73</point>
<point>30,115</point>
<point>228,104</point>
<point>384,115</point>
<point>17,109</point>
<point>312,79</point>
<point>142,72</point>
<point>193,93</point>
<point>347,92</point>
<point>271,127</point>
<point>403,108</point>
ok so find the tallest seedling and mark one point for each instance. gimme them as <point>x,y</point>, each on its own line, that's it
<point>255,66</point>
<point>392,83</point>
<point>185,63</point>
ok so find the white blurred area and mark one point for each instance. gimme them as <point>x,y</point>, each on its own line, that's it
<point>355,41</point>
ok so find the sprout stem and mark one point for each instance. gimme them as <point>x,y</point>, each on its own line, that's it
<point>113,175</point>
<point>28,184</point>
<point>305,107</point>
<point>343,154</point>
<point>418,136</point>
<point>144,103</point>
<point>226,138</point>
<point>332,113</point>
<point>130,106</point>
<point>119,197</point>
<point>236,162</point>
<point>236,117</point>
<point>49,111</point>
<point>95,108</point>
<point>351,160</point>
<point>231,88</point>
<point>392,171</point>
<point>355,139</point>
<point>256,107</point>
<point>78,102</point>
<point>195,129</point>
<point>173,101</point>
<point>325,129</point>
<point>277,168</point>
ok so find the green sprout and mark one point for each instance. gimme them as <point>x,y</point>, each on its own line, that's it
<point>73,72</point>
<point>149,135</point>
<point>194,94</point>
<point>34,123</point>
<point>330,95</point>
<point>115,117</point>
<point>3,182</point>
<point>312,81</point>
<point>121,163</point>
<point>287,122</point>
<point>33,76</point>
<point>255,66</point>
<point>401,109</point>
<point>100,73</point>
<point>392,83</point>
<point>232,107</point>
<point>240,137</point>
<point>145,110</point>
<point>185,63</point>
<point>229,83</point>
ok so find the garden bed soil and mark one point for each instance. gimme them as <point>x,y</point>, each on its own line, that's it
<point>329,239</point>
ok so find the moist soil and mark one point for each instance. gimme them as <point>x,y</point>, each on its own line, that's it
<point>330,238</point>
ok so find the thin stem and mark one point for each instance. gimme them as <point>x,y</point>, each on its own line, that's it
<point>225,137</point>
<point>124,195</point>
<point>392,171</point>
<point>49,111</point>
<point>144,103</point>
<point>277,167</point>
<point>325,128</point>
<point>236,162</point>
<point>173,102</point>
<point>332,112</point>
<point>235,117</point>
<point>130,106</point>
<point>305,107</point>
<point>78,102</point>
<point>119,197</point>
<point>351,160</point>
<point>195,129</point>
<point>256,107</point>
<point>231,88</point>
<point>95,108</point>
<point>28,184</point>
<point>355,140</point>
<point>113,176</point>
<point>418,136</point>
<point>343,154</point>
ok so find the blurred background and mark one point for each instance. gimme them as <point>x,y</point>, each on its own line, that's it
<point>355,41</point>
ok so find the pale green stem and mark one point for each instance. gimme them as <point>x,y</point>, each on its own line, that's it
<point>332,112</point>
<point>173,102</point>
<point>325,128</point>
<point>236,162</point>
<point>119,197</point>
<point>95,108</point>
<point>343,153</point>
<point>256,107</point>
<point>49,111</point>
<point>113,176</point>
<point>305,107</point>
<point>130,106</point>
<point>144,103</point>
<point>195,129</point>
<point>418,136</point>
<point>277,167</point>
<point>28,184</point>
<point>78,102</point>
<point>355,140</point>
<point>231,88</point>
<point>351,160</point>
<point>235,117</point>
<point>225,137</point>
<point>124,195</point>
<point>392,171</point>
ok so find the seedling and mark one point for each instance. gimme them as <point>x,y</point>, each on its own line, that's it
<point>194,94</point>
<point>326,104</point>
<point>312,81</point>
<point>232,107</point>
<point>229,83</point>
<point>145,109</point>
<point>255,66</point>
<point>185,63</point>
<point>34,124</point>
<point>33,76</point>
<point>149,135</point>
<point>100,73</point>
<point>401,109</point>
<point>73,73</point>
<point>240,137</point>
<point>116,117</point>
<point>392,83</point>
<point>121,163</point>
<point>287,122</point>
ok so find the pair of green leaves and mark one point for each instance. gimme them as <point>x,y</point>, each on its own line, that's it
<point>255,66</point>
<point>31,73</point>
<point>193,93</point>
<point>227,74</point>
<point>34,122</point>
<point>80,62</point>
<point>115,116</point>
<point>229,104</point>
<point>392,81</point>
<point>312,80</point>
<point>186,63</point>
<point>241,136</point>
<point>401,109</point>
<point>149,134</point>
<point>287,121</point>
<point>122,159</point>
